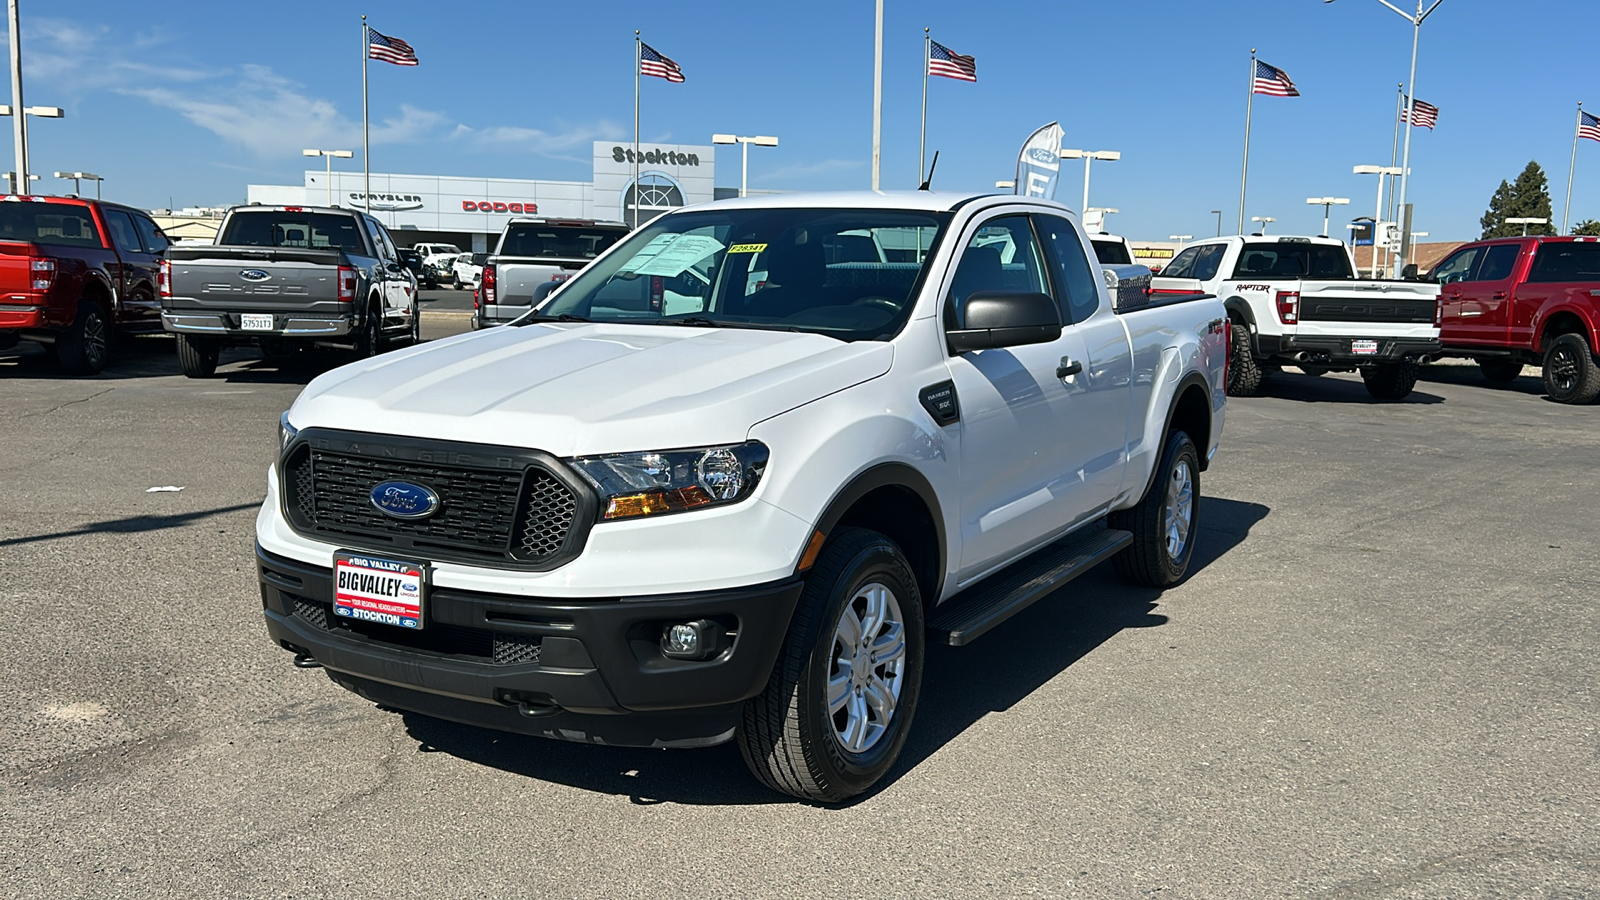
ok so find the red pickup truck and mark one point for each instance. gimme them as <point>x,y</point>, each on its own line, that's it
<point>1521,301</point>
<point>74,270</point>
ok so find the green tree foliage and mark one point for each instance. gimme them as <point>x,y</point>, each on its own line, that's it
<point>1588,228</point>
<point>1528,197</point>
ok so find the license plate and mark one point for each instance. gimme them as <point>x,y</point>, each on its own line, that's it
<point>255,323</point>
<point>1364,347</point>
<point>374,589</point>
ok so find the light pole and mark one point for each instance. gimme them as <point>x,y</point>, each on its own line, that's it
<point>1089,156</point>
<point>1414,236</point>
<point>1525,221</point>
<point>81,176</point>
<point>11,183</point>
<point>760,140</point>
<point>1326,203</point>
<point>1218,214</point>
<point>1377,215</point>
<point>328,155</point>
<point>40,112</point>
<point>1411,100</point>
<point>1263,220</point>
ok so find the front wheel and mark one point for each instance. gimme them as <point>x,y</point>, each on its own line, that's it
<point>197,356</point>
<point>1570,373</point>
<point>1390,381</point>
<point>838,705</point>
<point>1163,522</point>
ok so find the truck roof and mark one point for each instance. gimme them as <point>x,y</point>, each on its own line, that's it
<point>259,207</point>
<point>1268,238</point>
<point>552,220</point>
<point>931,201</point>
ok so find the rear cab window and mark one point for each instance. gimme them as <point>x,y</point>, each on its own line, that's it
<point>1111,252</point>
<point>1566,261</point>
<point>48,223</point>
<point>558,241</point>
<point>1292,259</point>
<point>285,228</point>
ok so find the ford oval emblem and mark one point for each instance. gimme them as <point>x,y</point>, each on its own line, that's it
<point>404,500</point>
<point>254,275</point>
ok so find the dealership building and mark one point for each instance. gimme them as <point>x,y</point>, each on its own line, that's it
<point>470,212</point>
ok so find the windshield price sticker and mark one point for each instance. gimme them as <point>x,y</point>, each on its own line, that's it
<point>670,255</point>
<point>747,248</point>
<point>377,590</point>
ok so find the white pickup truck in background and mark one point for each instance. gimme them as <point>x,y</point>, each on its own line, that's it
<point>742,518</point>
<point>1297,301</point>
<point>533,257</point>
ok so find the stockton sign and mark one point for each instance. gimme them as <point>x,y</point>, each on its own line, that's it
<point>656,157</point>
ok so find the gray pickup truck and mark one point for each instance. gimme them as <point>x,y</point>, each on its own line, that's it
<point>282,276</point>
<point>532,258</point>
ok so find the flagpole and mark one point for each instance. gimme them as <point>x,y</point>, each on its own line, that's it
<point>1394,158</point>
<point>638,60</point>
<point>366,138</point>
<point>1566,211</point>
<point>1244,172</point>
<point>877,96</point>
<point>922,143</point>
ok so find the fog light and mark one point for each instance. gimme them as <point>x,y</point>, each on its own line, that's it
<point>699,639</point>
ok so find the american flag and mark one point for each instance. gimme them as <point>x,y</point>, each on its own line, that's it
<point>1424,114</point>
<point>1272,80</point>
<point>653,63</point>
<point>389,49</point>
<point>950,64</point>
<point>1588,126</point>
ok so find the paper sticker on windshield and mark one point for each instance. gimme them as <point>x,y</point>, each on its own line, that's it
<point>747,248</point>
<point>669,255</point>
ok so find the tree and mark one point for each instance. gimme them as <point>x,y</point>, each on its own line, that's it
<point>1529,197</point>
<point>1588,228</point>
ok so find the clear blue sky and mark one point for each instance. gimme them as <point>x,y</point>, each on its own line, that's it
<point>193,100</point>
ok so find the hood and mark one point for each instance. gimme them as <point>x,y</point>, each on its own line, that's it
<point>576,388</point>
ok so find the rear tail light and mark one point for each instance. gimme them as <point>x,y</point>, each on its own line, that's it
<point>41,272</point>
<point>1289,307</point>
<point>658,287</point>
<point>486,284</point>
<point>1438,312</point>
<point>347,284</point>
<point>164,280</point>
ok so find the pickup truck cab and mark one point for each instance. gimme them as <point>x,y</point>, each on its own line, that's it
<point>1111,249</point>
<point>611,524</point>
<point>287,275</point>
<point>533,257</point>
<point>1296,301</point>
<point>1522,301</point>
<point>73,271</point>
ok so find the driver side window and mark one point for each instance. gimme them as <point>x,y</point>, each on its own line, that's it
<point>1001,256</point>
<point>1458,267</point>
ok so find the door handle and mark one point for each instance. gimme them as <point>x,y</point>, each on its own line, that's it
<point>1068,368</point>
<point>1499,295</point>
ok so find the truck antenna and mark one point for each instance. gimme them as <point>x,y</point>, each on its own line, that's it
<point>934,165</point>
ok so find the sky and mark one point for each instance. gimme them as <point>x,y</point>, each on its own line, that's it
<point>185,103</point>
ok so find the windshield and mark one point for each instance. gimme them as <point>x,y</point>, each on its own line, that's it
<point>1111,252</point>
<point>852,274</point>
<point>274,228</point>
<point>558,241</point>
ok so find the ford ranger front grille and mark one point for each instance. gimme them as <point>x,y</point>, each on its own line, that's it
<point>504,507</point>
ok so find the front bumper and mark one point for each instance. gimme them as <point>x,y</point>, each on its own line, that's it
<point>227,325</point>
<point>578,669</point>
<point>1336,349</point>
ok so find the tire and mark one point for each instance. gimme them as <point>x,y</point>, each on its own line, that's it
<point>197,356</point>
<point>416,325</point>
<point>1164,521</point>
<point>1390,381</point>
<point>460,286</point>
<point>1500,371</point>
<point>369,338</point>
<point>1244,372</point>
<point>1570,373</point>
<point>786,734</point>
<point>84,347</point>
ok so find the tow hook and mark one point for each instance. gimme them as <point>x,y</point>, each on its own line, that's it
<point>304,661</point>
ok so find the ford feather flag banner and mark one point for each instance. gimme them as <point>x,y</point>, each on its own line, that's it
<point>1039,163</point>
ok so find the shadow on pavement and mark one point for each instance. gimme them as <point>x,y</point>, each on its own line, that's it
<point>1529,382</point>
<point>155,356</point>
<point>1293,385</point>
<point>130,525</point>
<point>960,687</point>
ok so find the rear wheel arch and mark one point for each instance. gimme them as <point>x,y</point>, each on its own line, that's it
<point>1563,322</point>
<point>896,500</point>
<point>1240,314</point>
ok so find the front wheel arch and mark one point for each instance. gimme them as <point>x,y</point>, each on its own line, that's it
<point>897,500</point>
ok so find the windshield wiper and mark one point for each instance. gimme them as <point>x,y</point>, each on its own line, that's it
<point>699,321</point>
<point>564,317</point>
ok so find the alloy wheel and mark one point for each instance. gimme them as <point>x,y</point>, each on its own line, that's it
<point>1179,509</point>
<point>868,667</point>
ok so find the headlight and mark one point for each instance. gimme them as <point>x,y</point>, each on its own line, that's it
<point>286,432</point>
<point>646,484</point>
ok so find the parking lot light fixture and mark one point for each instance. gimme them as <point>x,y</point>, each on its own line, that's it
<point>1525,221</point>
<point>760,140</point>
<point>1006,185</point>
<point>1377,216</point>
<point>75,177</point>
<point>38,112</point>
<point>1218,214</point>
<point>1180,237</point>
<point>1089,156</point>
<point>329,155</point>
<point>1263,220</point>
<point>1326,203</point>
<point>11,182</point>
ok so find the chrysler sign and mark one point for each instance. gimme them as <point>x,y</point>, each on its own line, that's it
<point>386,202</point>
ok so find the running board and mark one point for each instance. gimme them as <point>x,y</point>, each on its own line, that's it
<point>966,616</point>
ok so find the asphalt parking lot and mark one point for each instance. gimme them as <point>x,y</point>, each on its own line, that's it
<point>1380,682</point>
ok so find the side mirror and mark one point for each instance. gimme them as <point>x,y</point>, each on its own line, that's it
<point>989,319</point>
<point>1409,273</point>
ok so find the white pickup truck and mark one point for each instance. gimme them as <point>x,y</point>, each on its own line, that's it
<point>1296,301</point>
<point>616,524</point>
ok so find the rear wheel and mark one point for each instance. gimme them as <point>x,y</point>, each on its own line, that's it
<point>82,349</point>
<point>1163,523</point>
<point>416,325</point>
<point>1570,373</point>
<point>1244,372</point>
<point>1390,381</point>
<point>838,705</point>
<point>197,355</point>
<point>1500,371</point>
<point>369,338</point>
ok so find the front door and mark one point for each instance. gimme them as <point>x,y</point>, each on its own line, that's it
<point>1452,275</point>
<point>1023,451</point>
<point>1486,297</point>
